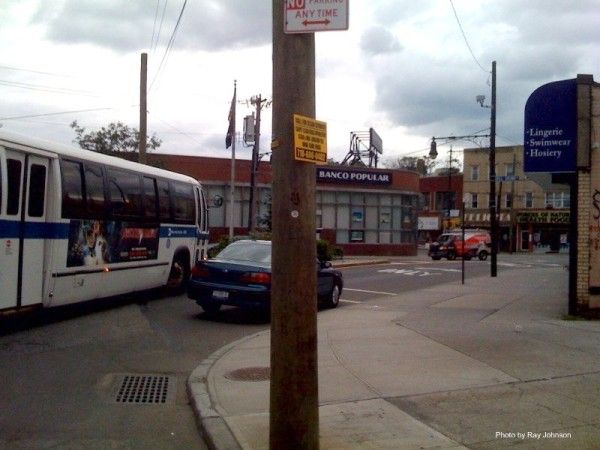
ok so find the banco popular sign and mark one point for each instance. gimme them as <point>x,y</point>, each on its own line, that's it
<point>551,128</point>
<point>331,175</point>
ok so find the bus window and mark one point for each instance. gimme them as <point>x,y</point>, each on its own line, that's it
<point>185,210</point>
<point>72,189</point>
<point>14,186</point>
<point>125,195</point>
<point>164,201</point>
<point>94,190</point>
<point>37,191</point>
<point>150,210</point>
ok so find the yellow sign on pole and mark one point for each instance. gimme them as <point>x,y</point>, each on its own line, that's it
<point>310,140</point>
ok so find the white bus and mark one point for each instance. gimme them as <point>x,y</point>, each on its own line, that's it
<point>77,225</point>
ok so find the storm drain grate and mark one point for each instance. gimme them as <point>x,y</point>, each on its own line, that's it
<point>145,389</point>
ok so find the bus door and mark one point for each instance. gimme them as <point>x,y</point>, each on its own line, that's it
<point>22,255</point>
<point>202,225</point>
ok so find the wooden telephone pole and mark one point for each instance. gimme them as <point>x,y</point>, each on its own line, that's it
<point>143,108</point>
<point>294,402</point>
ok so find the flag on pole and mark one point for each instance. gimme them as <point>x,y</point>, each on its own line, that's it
<point>231,130</point>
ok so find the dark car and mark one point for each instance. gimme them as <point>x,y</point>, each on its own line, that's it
<point>240,275</point>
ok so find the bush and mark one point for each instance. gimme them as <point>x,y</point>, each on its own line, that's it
<point>216,249</point>
<point>324,251</point>
<point>338,253</point>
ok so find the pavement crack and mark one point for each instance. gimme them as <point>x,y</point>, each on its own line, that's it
<point>340,360</point>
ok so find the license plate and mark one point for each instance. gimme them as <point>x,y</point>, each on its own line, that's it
<point>221,295</point>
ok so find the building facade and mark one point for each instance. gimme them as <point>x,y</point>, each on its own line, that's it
<point>442,198</point>
<point>533,213</point>
<point>361,210</point>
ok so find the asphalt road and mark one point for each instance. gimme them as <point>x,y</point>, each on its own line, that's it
<point>61,371</point>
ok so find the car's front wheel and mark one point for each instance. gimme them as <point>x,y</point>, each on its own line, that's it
<point>483,254</point>
<point>334,297</point>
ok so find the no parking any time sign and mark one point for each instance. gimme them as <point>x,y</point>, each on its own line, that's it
<point>308,16</point>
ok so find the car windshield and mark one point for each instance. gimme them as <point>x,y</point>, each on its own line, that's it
<point>247,251</point>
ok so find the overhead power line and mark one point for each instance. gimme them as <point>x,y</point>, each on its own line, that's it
<point>169,45</point>
<point>29,116</point>
<point>465,38</point>
<point>20,69</point>
<point>45,88</point>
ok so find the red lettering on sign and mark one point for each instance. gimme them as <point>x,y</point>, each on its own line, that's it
<point>294,4</point>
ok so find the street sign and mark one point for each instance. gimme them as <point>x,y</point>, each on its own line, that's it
<point>308,16</point>
<point>310,140</point>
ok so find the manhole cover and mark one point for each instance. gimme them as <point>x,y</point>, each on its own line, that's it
<point>250,374</point>
<point>145,389</point>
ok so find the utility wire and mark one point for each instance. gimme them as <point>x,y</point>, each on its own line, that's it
<point>170,44</point>
<point>44,88</point>
<point>58,113</point>
<point>181,132</point>
<point>465,38</point>
<point>154,25</point>
<point>162,18</point>
<point>20,69</point>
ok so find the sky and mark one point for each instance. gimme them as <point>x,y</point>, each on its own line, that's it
<point>408,69</point>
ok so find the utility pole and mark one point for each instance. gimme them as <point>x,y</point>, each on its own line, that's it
<point>449,202</point>
<point>143,108</point>
<point>511,236</point>
<point>230,140</point>
<point>254,165</point>
<point>493,218</point>
<point>294,402</point>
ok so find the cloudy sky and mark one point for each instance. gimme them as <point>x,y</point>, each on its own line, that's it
<point>403,67</point>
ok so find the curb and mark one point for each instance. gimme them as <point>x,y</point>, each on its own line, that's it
<point>214,428</point>
<point>360,263</point>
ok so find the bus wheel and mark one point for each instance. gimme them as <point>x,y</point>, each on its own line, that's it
<point>179,274</point>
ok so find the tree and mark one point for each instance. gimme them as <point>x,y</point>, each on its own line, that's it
<point>115,138</point>
<point>423,165</point>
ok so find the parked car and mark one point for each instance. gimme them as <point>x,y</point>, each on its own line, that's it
<point>450,245</point>
<point>240,275</point>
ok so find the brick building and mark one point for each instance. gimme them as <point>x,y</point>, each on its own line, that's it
<point>442,197</point>
<point>361,210</point>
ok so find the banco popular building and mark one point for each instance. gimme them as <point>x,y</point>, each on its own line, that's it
<point>362,210</point>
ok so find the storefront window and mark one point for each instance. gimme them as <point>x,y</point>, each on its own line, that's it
<point>358,217</point>
<point>343,217</point>
<point>342,198</point>
<point>385,218</point>
<point>327,197</point>
<point>358,198</point>
<point>357,236</point>
<point>372,199</point>
<point>367,217</point>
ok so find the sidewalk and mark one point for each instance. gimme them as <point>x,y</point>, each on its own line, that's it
<point>488,364</point>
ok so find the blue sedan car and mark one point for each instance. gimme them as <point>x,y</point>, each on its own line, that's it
<point>240,275</point>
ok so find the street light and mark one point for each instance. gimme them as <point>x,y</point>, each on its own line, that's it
<point>433,154</point>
